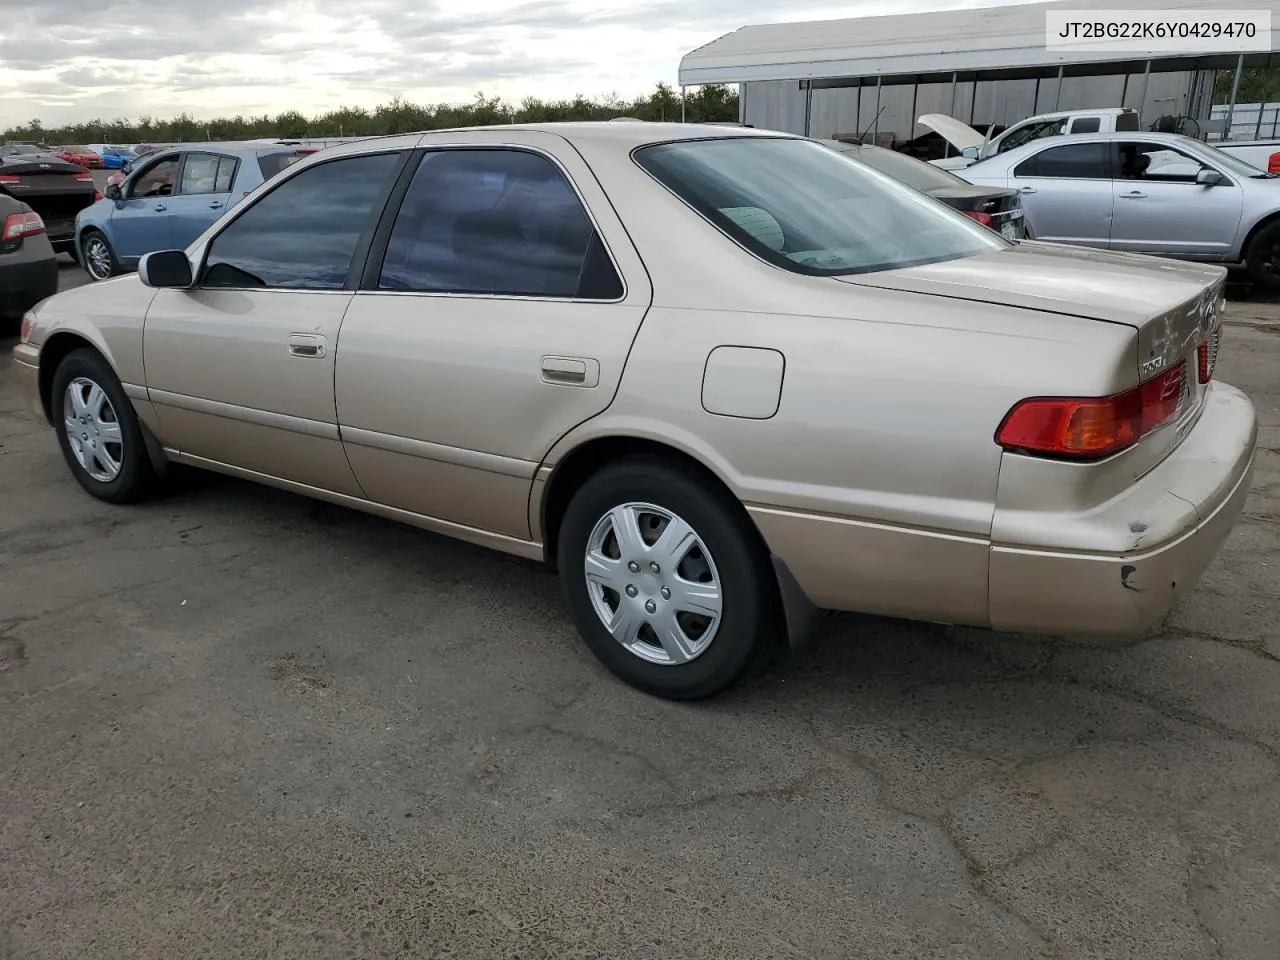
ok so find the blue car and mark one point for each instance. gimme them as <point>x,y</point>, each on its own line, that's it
<point>113,158</point>
<point>170,198</point>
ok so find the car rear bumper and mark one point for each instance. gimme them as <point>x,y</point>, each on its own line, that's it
<point>26,283</point>
<point>1127,563</point>
<point>1175,518</point>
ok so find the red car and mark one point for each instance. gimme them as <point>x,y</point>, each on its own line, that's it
<point>80,156</point>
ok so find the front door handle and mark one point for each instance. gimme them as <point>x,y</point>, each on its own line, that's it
<point>1133,195</point>
<point>215,204</point>
<point>309,345</point>
<point>1028,189</point>
<point>161,206</point>
<point>570,371</point>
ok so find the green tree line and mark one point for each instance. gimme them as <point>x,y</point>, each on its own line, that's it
<point>702,104</point>
<point>1257,85</point>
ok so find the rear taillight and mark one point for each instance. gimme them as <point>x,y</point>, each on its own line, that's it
<point>1207,355</point>
<point>10,178</point>
<point>83,177</point>
<point>982,218</point>
<point>1273,163</point>
<point>1090,428</point>
<point>19,225</point>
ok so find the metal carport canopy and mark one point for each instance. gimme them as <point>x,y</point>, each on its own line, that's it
<point>934,43</point>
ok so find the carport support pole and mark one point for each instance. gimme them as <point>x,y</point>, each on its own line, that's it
<point>1235,89</point>
<point>954,77</point>
<point>1146,79</point>
<point>808,105</point>
<point>682,103</point>
<point>1057,97</point>
<point>875,133</point>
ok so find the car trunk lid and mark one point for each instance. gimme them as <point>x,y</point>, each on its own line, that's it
<point>52,188</point>
<point>1173,307</point>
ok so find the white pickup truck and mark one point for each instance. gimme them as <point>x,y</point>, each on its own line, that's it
<point>974,146</point>
<point>1263,154</point>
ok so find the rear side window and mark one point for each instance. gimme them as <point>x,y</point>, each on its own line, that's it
<point>207,173</point>
<point>496,221</point>
<point>1086,124</point>
<point>273,163</point>
<point>1071,161</point>
<point>302,235</point>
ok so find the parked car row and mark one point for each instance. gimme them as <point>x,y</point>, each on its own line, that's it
<point>1153,193</point>
<point>717,378</point>
<point>168,197</point>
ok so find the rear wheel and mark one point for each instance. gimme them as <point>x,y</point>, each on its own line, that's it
<point>1263,256</point>
<point>98,430</point>
<point>666,581</point>
<point>99,259</point>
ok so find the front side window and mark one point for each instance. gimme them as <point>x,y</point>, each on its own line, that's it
<point>1070,161</point>
<point>156,180</point>
<point>1155,163</point>
<point>302,235</point>
<point>811,210</point>
<point>495,221</point>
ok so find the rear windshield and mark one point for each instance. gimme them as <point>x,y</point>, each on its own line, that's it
<point>272,163</point>
<point>811,210</point>
<point>1126,122</point>
<point>908,170</point>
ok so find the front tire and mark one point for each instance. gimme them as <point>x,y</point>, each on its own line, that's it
<point>1263,256</point>
<point>98,431</point>
<point>99,261</point>
<point>666,580</point>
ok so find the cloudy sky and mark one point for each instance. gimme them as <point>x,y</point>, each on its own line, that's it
<point>63,62</point>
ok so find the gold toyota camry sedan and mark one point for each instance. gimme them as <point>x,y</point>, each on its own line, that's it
<point>719,378</point>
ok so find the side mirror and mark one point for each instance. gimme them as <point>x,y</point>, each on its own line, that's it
<point>970,153</point>
<point>165,268</point>
<point>1209,178</point>
<point>112,192</point>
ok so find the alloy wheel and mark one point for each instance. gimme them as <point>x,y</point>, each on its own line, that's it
<point>97,258</point>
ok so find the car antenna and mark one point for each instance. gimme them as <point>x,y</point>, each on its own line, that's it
<point>874,121</point>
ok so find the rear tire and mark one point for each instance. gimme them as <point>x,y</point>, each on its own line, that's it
<point>98,431</point>
<point>1263,256</point>
<point>100,261</point>
<point>687,585</point>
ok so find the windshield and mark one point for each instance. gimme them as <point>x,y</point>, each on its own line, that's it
<point>806,208</point>
<point>912,172</point>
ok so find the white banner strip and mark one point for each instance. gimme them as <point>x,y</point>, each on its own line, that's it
<point>1154,32</point>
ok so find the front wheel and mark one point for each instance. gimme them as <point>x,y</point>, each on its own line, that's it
<point>1263,256</point>
<point>98,430</point>
<point>99,259</point>
<point>666,581</point>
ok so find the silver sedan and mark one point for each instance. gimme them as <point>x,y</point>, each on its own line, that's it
<point>1145,193</point>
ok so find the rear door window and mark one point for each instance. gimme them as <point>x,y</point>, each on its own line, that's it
<point>304,234</point>
<point>200,174</point>
<point>1086,124</point>
<point>496,221</point>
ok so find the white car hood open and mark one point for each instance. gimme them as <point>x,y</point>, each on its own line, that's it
<point>959,135</point>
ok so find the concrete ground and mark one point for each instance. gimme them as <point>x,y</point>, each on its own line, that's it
<point>236,723</point>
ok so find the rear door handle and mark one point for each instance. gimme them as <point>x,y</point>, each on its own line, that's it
<point>215,204</point>
<point>570,371</point>
<point>307,345</point>
<point>1133,195</point>
<point>1028,189</point>
<point>161,206</point>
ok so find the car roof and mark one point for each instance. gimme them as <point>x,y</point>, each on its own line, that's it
<point>1035,146</point>
<point>632,132</point>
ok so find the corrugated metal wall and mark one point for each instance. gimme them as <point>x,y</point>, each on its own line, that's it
<point>780,104</point>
